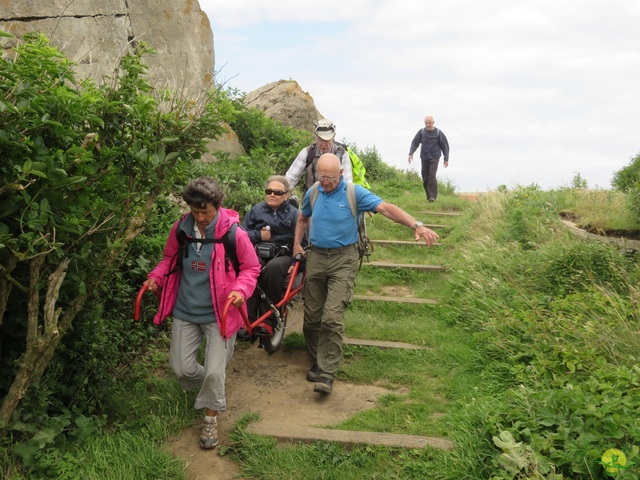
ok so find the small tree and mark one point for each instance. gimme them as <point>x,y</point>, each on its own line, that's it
<point>627,180</point>
<point>82,166</point>
<point>628,177</point>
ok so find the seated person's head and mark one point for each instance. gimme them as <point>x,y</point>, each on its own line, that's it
<point>277,191</point>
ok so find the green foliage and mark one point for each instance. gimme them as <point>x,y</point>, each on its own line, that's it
<point>82,167</point>
<point>627,178</point>
<point>578,182</point>
<point>527,214</point>
<point>556,330</point>
<point>574,268</point>
<point>377,170</point>
<point>263,137</point>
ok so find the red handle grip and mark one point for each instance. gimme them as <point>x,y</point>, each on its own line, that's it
<point>136,308</point>
<point>223,320</point>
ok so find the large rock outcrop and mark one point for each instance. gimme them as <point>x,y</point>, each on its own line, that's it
<point>286,102</point>
<point>227,143</point>
<point>96,33</point>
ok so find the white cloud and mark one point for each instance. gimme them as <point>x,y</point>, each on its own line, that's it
<point>531,91</point>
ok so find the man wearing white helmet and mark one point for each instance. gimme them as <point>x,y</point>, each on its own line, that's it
<point>307,159</point>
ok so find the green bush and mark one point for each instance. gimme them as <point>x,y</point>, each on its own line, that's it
<point>627,178</point>
<point>83,166</point>
<point>556,328</point>
<point>264,137</point>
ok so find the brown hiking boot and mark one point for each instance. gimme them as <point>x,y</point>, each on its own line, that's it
<point>312,373</point>
<point>324,385</point>
<point>209,434</point>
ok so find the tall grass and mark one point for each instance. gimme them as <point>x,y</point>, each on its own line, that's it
<point>556,322</point>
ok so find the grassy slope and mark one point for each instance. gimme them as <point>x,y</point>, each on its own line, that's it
<point>504,359</point>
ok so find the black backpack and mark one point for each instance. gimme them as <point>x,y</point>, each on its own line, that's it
<point>228,240</point>
<point>311,156</point>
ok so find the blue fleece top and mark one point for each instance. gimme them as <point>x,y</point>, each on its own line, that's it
<point>333,224</point>
<point>194,303</point>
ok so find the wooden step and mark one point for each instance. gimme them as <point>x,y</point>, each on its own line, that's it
<point>434,225</point>
<point>441,214</point>
<point>403,242</point>
<point>386,298</point>
<point>415,266</point>
<point>381,344</point>
<point>348,437</point>
<point>626,243</point>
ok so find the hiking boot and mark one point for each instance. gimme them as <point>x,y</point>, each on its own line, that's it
<point>324,385</point>
<point>312,373</point>
<point>209,434</point>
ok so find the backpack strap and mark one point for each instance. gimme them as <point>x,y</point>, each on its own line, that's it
<point>351,197</point>
<point>311,154</point>
<point>313,196</point>
<point>228,241</point>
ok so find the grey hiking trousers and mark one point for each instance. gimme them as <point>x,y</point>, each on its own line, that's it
<point>186,338</point>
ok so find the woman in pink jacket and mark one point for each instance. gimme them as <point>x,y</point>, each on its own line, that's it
<point>197,277</point>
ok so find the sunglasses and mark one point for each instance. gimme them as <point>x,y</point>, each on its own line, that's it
<point>277,193</point>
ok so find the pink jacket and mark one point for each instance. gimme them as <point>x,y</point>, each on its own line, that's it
<point>222,281</point>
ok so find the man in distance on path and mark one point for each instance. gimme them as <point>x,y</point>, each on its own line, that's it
<point>434,144</point>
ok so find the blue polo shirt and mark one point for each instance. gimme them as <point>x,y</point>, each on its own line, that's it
<point>332,224</point>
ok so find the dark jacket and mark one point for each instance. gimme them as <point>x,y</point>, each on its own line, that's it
<point>282,223</point>
<point>433,144</point>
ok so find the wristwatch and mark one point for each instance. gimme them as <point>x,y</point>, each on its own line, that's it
<point>417,225</point>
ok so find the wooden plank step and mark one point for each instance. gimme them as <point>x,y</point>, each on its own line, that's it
<point>403,242</point>
<point>434,225</point>
<point>622,242</point>
<point>387,298</point>
<point>347,437</point>
<point>415,266</point>
<point>442,214</point>
<point>381,344</point>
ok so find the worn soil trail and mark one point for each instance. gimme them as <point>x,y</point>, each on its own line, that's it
<point>275,387</point>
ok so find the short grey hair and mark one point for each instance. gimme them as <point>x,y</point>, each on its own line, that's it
<point>279,178</point>
<point>203,191</point>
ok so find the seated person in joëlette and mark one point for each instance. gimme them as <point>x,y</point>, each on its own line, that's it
<point>271,225</point>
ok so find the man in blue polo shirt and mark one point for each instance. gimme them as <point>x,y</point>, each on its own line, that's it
<point>332,261</point>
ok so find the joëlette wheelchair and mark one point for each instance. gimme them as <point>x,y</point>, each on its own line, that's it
<point>278,311</point>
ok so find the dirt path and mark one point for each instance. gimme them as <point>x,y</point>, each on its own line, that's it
<point>275,387</point>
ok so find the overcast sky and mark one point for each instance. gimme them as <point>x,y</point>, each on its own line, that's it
<point>527,91</point>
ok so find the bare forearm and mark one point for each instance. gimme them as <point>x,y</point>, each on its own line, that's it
<point>301,227</point>
<point>395,213</point>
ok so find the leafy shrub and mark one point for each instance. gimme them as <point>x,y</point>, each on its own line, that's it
<point>82,167</point>
<point>627,178</point>
<point>574,268</point>
<point>527,213</point>
<point>264,137</point>
<point>556,333</point>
